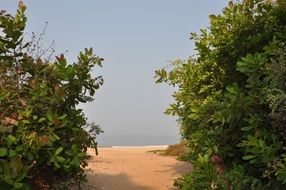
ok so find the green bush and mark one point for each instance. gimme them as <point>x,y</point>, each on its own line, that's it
<point>43,139</point>
<point>231,99</point>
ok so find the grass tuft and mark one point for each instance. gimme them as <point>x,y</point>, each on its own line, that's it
<point>178,150</point>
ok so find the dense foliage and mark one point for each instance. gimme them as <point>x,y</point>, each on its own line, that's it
<point>42,132</point>
<point>231,99</point>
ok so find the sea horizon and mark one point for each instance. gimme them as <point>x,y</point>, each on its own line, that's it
<point>136,140</point>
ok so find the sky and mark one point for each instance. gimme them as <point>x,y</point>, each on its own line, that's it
<point>135,38</point>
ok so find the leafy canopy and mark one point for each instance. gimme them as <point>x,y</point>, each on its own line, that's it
<point>230,101</point>
<point>42,132</point>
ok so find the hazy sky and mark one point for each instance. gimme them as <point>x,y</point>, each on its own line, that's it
<point>135,38</point>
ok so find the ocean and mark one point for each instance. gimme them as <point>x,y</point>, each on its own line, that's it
<point>136,140</point>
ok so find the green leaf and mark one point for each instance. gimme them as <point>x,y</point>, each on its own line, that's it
<point>21,177</point>
<point>60,158</point>
<point>62,117</point>
<point>18,185</point>
<point>2,97</point>
<point>66,166</point>
<point>59,150</point>
<point>26,121</point>
<point>30,156</point>
<point>19,148</point>
<point>11,139</point>
<point>8,180</point>
<point>212,17</point>
<point>56,137</point>
<point>81,155</point>
<point>12,153</point>
<point>42,120</point>
<point>248,157</point>
<point>281,35</point>
<point>3,152</point>
<point>74,148</point>
<point>50,115</point>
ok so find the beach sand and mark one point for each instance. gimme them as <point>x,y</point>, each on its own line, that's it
<point>133,168</point>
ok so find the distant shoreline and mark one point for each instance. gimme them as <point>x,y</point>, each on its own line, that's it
<point>136,146</point>
<point>106,140</point>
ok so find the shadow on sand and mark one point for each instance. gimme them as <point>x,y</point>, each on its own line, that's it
<point>100,181</point>
<point>182,167</point>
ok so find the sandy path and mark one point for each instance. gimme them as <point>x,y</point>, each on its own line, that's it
<point>133,169</point>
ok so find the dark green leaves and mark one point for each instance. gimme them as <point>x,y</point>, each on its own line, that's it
<point>230,99</point>
<point>251,63</point>
<point>41,129</point>
<point>3,152</point>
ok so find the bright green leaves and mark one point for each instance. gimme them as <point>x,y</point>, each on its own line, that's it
<point>26,113</point>
<point>58,151</point>
<point>10,140</point>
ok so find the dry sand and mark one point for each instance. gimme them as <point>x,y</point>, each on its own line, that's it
<point>133,168</point>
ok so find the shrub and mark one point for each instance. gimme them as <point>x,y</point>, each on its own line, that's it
<point>230,101</point>
<point>179,150</point>
<point>42,132</point>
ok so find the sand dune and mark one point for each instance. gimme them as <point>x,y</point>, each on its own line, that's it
<point>133,168</point>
